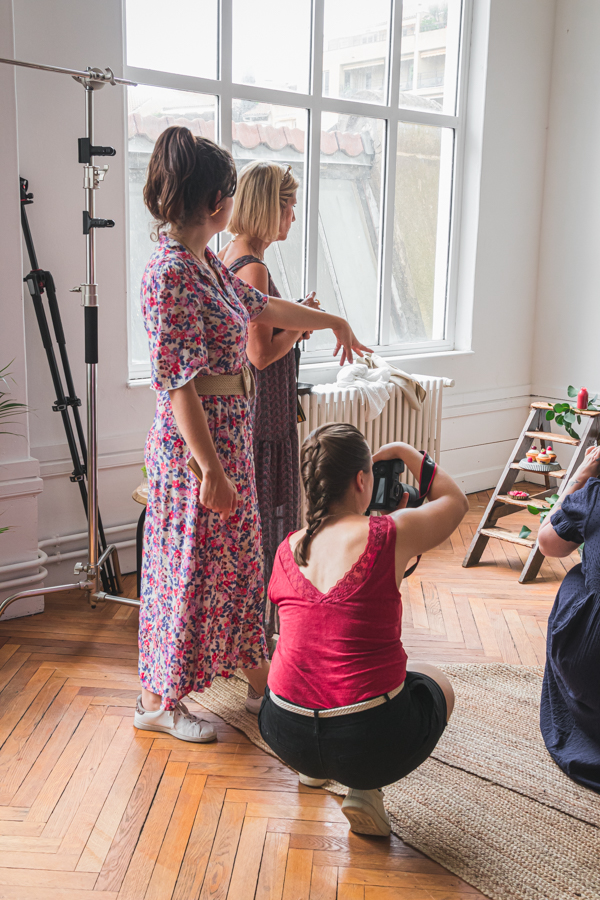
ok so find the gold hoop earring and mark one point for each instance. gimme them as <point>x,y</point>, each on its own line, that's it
<point>216,211</point>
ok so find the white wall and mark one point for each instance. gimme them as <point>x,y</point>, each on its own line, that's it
<point>567,325</point>
<point>19,472</point>
<point>508,108</point>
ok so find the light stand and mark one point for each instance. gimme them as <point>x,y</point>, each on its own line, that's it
<point>92,80</point>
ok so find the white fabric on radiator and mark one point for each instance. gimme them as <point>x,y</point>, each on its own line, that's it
<point>374,386</point>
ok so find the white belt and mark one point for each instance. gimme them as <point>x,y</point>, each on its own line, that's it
<point>339,710</point>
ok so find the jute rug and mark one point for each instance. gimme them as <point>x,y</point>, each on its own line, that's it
<point>489,805</point>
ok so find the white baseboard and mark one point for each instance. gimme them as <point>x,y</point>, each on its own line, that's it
<point>28,606</point>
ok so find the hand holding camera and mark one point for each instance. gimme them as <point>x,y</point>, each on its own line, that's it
<point>388,490</point>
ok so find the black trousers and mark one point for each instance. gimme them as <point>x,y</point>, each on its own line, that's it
<point>362,750</point>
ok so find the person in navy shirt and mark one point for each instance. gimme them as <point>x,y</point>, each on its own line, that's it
<point>570,705</point>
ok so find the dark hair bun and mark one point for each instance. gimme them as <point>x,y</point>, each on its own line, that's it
<point>185,174</point>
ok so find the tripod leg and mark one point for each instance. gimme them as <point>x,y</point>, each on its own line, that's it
<point>139,547</point>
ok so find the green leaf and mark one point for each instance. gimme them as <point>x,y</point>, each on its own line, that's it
<point>552,499</point>
<point>534,510</point>
<point>559,420</point>
<point>569,417</point>
<point>549,415</point>
<point>571,392</point>
<point>524,532</point>
<point>543,515</point>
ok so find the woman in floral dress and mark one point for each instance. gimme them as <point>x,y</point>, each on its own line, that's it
<point>202,583</point>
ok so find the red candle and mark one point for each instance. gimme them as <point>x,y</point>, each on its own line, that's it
<point>582,399</point>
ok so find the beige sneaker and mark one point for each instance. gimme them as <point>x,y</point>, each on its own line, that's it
<point>366,813</point>
<point>311,782</point>
<point>178,722</point>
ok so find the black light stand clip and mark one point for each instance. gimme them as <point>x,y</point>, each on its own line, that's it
<point>101,557</point>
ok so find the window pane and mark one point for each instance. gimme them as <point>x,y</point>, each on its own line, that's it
<point>276,133</point>
<point>271,43</point>
<point>150,111</point>
<point>349,224</point>
<point>356,49</point>
<point>429,66</point>
<point>181,38</point>
<point>421,232</point>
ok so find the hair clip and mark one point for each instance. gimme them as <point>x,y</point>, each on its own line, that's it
<point>286,173</point>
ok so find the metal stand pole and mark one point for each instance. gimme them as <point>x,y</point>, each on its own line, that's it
<point>91,79</point>
<point>40,282</point>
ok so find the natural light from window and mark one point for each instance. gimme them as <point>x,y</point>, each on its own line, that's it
<point>364,101</point>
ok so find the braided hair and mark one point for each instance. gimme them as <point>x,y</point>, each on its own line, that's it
<point>332,456</point>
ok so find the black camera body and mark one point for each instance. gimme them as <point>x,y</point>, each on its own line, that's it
<point>388,490</point>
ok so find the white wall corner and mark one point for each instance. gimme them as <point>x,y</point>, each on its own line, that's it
<point>19,473</point>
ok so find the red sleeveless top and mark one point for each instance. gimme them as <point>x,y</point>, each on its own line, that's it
<point>344,646</point>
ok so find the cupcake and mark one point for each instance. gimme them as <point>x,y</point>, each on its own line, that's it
<point>551,454</point>
<point>532,454</point>
<point>543,457</point>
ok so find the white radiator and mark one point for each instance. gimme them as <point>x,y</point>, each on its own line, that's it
<point>397,421</point>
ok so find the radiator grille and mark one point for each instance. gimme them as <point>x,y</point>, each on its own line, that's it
<point>397,421</point>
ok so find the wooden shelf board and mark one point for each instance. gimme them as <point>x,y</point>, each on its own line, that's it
<point>558,473</point>
<point>580,412</point>
<point>524,503</point>
<point>509,536</point>
<point>553,438</point>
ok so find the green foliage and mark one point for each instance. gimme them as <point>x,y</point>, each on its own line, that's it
<point>524,532</point>
<point>9,408</point>
<point>566,415</point>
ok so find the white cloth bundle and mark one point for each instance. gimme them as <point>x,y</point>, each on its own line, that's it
<point>374,379</point>
<point>374,386</point>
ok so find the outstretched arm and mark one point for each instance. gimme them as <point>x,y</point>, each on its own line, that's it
<point>283,314</point>
<point>548,540</point>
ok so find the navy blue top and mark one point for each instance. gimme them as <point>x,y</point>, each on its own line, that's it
<point>570,707</point>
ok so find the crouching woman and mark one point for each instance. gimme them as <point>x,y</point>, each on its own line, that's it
<point>341,701</point>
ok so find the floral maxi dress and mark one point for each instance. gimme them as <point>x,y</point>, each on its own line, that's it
<point>202,578</point>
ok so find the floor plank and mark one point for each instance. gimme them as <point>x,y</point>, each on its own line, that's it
<point>91,808</point>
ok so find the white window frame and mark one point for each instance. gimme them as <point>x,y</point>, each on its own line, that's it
<point>226,90</point>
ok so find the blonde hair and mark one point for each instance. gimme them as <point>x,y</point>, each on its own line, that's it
<point>263,190</point>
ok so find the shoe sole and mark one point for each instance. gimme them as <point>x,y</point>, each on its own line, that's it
<point>180,737</point>
<point>312,782</point>
<point>362,821</point>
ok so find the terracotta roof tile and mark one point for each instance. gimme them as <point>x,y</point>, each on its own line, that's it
<point>351,144</point>
<point>329,142</point>
<point>248,135</point>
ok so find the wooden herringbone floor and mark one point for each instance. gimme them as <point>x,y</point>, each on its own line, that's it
<point>92,810</point>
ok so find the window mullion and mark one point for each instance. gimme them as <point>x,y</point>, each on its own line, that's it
<point>389,182</point>
<point>311,233</point>
<point>225,70</point>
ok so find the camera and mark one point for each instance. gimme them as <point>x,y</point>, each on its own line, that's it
<point>388,490</point>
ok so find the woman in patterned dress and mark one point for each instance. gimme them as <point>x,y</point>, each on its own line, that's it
<point>263,213</point>
<point>202,581</point>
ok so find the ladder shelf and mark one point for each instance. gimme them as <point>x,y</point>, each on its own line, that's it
<point>536,428</point>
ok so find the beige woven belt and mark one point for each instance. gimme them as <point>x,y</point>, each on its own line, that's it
<point>226,385</point>
<point>339,710</point>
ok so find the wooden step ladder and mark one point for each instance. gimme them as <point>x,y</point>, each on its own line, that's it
<point>538,429</point>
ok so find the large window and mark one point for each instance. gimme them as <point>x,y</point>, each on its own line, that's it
<point>365,100</point>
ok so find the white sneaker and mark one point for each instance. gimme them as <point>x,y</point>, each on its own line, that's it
<point>178,722</point>
<point>311,782</point>
<point>253,701</point>
<point>366,813</point>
